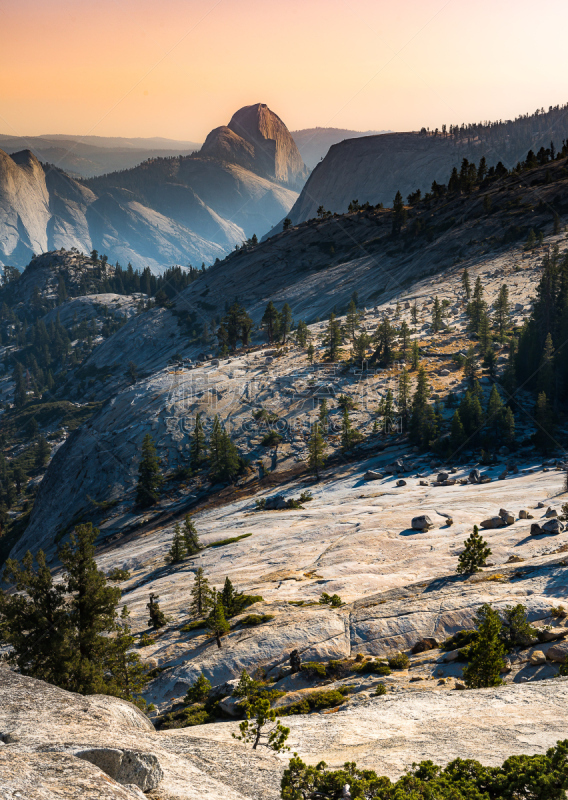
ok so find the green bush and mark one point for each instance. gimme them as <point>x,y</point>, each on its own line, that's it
<point>380,689</point>
<point>333,600</point>
<point>372,668</point>
<point>256,619</point>
<point>145,640</point>
<point>314,669</point>
<point>118,575</point>
<point>198,692</point>
<point>194,715</point>
<point>271,439</point>
<point>313,702</point>
<point>306,496</point>
<point>399,661</point>
<point>223,542</point>
<point>459,639</point>
<point>192,626</point>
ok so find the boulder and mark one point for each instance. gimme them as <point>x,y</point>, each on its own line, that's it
<point>422,523</point>
<point>275,503</point>
<point>558,652</point>
<point>503,475</point>
<point>506,516</point>
<point>475,476</point>
<point>523,514</point>
<point>552,634</point>
<point>540,504</point>
<point>371,475</point>
<point>492,522</point>
<point>537,657</point>
<point>453,655</point>
<point>230,705</point>
<point>422,645</point>
<point>401,482</point>
<point>442,476</point>
<point>553,526</point>
<point>423,483</point>
<point>126,766</point>
<point>536,530</point>
<point>551,512</point>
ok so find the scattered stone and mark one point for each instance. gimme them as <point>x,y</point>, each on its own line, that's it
<point>423,483</point>
<point>551,512</point>
<point>401,482</point>
<point>453,655</point>
<point>460,686</point>
<point>558,652</point>
<point>126,766</point>
<point>536,530</point>
<point>475,476</point>
<point>503,475</point>
<point>552,634</point>
<point>537,657</point>
<point>514,560</point>
<point>523,514</point>
<point>506,516</point>
<point>540,504</point>
<point>422,523</point>
<point>493,522</point>
<point>371,475</point>
<point>442,476</point>
<point>276,503</point>
<point>553,526</point>
<point>422,645</point>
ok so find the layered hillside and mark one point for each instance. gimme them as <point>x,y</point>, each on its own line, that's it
<point>162,212</point>
<point>374,168</point>
<point>313,143</point>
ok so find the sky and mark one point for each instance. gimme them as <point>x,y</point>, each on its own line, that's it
<point>178,68</point>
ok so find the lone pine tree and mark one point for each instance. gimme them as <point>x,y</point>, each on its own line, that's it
<point>149,475</point>
<point>200,594</point>
<point>178,549</point>
<point>216,622</point>
<point>197,445</point>
<point>190,537</point>
<point>475,554</point>
<point>157,617</point>
<point>486,651</point>
<point>316,446</point>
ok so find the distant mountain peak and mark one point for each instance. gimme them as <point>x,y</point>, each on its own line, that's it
<point>257,139</point>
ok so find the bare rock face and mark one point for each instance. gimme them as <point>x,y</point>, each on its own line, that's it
<point>257,139</point>
<point>126,766</point>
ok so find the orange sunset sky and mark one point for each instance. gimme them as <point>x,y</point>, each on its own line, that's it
<point>178,68</point>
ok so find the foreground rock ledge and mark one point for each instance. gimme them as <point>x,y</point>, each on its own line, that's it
<point>47,727</point>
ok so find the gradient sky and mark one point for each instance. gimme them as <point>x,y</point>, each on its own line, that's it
<point>178,68</point>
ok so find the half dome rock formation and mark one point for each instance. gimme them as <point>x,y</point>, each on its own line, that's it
<point>257,139</point>
<point>165,211</point>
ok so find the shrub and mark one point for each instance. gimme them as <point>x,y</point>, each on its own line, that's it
<point>198,692</point>
<point>333,600</point>
<point>187,718</point>
<point>381,689</point>
<point>372,668</point>
<point>223,542</point>
<point>145,640</point>
<point>313,702</point>
<point>260,504</point>
<point>192,626</point>
<point>558,611</point>
<point>306,496</point>
<point>459,639</point>
<point>314,669</point>
<point>118,575</point>
<point>271,439</point>
<point>256,619</point>
<point>399,661</point>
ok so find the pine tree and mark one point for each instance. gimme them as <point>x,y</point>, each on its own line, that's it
<point>35,622</point>
<point>486,651</point>
<point>403,398</point>
<point>223,455</point>
<point>333,338</point>
<point>508,427</point>
<point>271,321</point>
<point>475,554</point>
<point>149,475</point>
<point>190,537</point>
<point>316,448</point>
<point>545,377</point>
<point>311,353</point>
<point>286,224</point>
<point>415,357</point>
<point>157,617</point>
<point>414,313</point>
<point>43,452</point>
<point>197,446</point>
<point>484,332</point>
<point>302,333</point>
<point>502,311</point>
<point>471,366</point>
<point>127,674</point>
<point>259,709</point>
<point>388,412</point>
<point>385,338</point>
<point>457,433</point>
<point>490,362</point>
<point>543,417</point>
<point>404,338</point>
<point>352,319</point>
<point>399,214</point>
<point>200,594</point>
<point>20,396</point>
<point>92,609</point>
<point>199,691</point>
<point>437,320</point>
<point>177,550</point>
<point>466,284</point>
<point>419,417</point>
<point>324,416</point>
<point>285,322</point>
<point>216,622</point>
<point>346,431</point>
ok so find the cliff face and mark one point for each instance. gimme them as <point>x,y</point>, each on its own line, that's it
<point>162,212</point>
<point>258,140</point>
<point>374,168</point>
